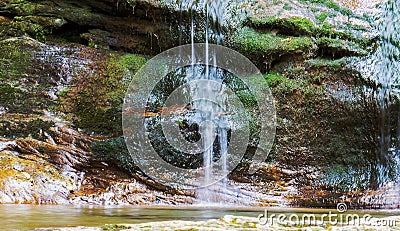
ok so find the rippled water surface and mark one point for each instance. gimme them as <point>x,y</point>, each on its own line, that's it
<point>25,217</point>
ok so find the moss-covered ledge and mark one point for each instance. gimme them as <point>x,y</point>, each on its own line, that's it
<point>264,48</point>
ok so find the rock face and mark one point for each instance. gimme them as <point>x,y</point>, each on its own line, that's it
<point>65,66</point>
<point>44,159</point>
<point>135,27</point>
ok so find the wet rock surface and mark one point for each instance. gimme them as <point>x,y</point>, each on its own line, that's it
<point>44,159</point>
<point>108,24</point>
<point>64,70</point>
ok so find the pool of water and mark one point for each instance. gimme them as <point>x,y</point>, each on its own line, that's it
<point>26,217</point>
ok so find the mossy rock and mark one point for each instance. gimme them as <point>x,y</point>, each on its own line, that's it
<point>349,34</point>
<point>293,26</point>
<point>263,48</point>
<point>32,181</point>
<point>95,99</point>
<point>299,26</point>
<point>115,227</point>
<point>340,48</point>
<point>331,129</point>
<point>330,64</point>
<point>15,58</point>
<point>22,85</point>
<point>28,18</point>
<point>12,98</point>
<point>114,151</point>
<point>35,128</point>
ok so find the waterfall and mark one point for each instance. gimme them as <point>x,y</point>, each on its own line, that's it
<point>386,71</point>
<point>383,67</point>
<point>215,12</point>
<point>205,109</point>
<point>213,124</point>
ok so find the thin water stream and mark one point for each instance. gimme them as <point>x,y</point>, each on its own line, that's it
<point>386,71</point>
<point>210,116</point>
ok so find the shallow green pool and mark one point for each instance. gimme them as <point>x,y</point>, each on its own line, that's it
<point>25,217</point>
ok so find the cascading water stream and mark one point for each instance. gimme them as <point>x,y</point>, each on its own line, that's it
<point>208,119</point>
<point>386,71</point>
<point>214,12</point>
<point>211,130</point>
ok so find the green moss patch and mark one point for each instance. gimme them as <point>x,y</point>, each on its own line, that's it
<point>15,59</point>
<point>338,47</point>
<point>114,151</point>
<point>36,27</point>
<point>114,227</point>
<point>22,85</point>
<point>291,26</point>
<point>21,129</point>
<point>329,31</point>
<point>94,100</point>
<point>321,17</point>
<point>326,63</point>
<point>266,47</point>
<point>13,99</point>
<point>298,26</point>
<point>272,40</point>
<point>281,84</point>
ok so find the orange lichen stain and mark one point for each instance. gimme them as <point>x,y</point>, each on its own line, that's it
<point>150,114</point>
<point>19,168</point>
<point>287,40</point>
